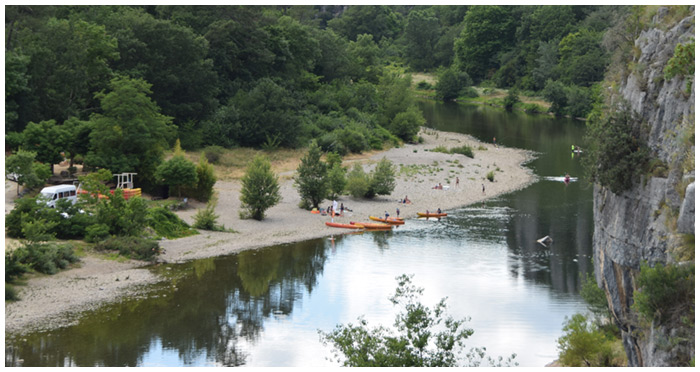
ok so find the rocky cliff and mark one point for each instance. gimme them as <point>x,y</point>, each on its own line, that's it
<point>646,223</point>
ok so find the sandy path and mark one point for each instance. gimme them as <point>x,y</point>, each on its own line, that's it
<point>51,301</point>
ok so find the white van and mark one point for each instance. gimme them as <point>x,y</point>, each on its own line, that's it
<point>54,193</point>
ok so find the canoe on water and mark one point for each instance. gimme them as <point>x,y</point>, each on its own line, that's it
<point>438,215</point>
<point>390,220</point>
<point>373,226</point>
<point>344,225</point>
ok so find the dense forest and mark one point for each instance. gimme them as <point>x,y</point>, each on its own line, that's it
<point>115,86</point>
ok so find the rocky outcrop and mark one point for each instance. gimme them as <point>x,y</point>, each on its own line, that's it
<point>639,224</point>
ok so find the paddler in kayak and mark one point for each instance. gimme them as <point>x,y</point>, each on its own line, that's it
<point>567,179</point>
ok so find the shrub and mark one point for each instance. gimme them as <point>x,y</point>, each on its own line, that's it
<point>10,293</point>
<point>531,108</point>
<point>47,258</point>
<point>584,345</point>
<point>464,150</point>
<point>424,85</point>
<point>206,179</point>
<point>14,268</point>
<point>336,180</point>
<point>357,182</point>
<point>511,99</point>
<point>168,224</point>
<point>260,189</point>
<point>131,246</point>
<point>666,293</point>
<point>441,149</point>
<point>96,233</point>
<point>490,176</point>
<point>205,219</point>
<point>311,180</point>
<point>383,178</point>
<point>213,153</point>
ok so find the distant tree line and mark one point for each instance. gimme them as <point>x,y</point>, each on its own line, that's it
<point>269,76</point>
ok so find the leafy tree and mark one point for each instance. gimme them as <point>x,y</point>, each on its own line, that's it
<point>206,179</point>
<point>365,56</point>
<point>383,177</point>
<point>131,133</point>
<point>358,182</point>
<point>311,178</point>
<point>334,59</point>
<point>296,51</point>
<point>396,98</point>
<point>77,139</point>
<point>16,83</point>
<point>223,127</point>
<point>260,189</point>
<point>29,173</point>
<point>414,341</point>
<point>336,175</point>
<point>407,124</point>
<point>579,101</point>
<point>177,171</point>
<point>376,20</point>
<point>511,99</point>
<point>582,343</point>
<point>582,60</point>
<point>68,61</point>
<point>487,31</point>
<point>546,63</point>
<point>47,139</point>
<point>682,63</point>
<point>451,83</point>
<point>422,32</point>
<point>555,93</point>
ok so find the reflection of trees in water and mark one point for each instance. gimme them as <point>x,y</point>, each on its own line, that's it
<point>208,307</point>
<point>566,217</point>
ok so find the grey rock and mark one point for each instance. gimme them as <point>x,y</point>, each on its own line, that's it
<point>686,217</point>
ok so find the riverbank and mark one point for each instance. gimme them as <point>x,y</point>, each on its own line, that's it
<point>54,301</point>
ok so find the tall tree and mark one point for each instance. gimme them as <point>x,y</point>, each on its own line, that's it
<point>583,60</point>
<point>488,30</point>
<point>177,171</point>
<point>260,189</point>
<point>311,178</point>
<point>377,20</point>
<point>48,141</point>
<point>27,171</point>
<point>130,134</point>
<point>422,33</point>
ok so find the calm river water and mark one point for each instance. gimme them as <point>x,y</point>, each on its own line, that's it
<point>265,307</point>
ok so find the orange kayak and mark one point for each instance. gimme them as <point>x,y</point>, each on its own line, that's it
<point>373,226</point>
<point>390,220</point>
<point>438,215</point>
<point>344,225</point>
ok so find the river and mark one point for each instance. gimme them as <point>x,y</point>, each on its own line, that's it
<point>265,307</point>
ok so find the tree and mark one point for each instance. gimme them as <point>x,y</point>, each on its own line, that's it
<point>206,179</point>
<point>358,183</point>
<point>383,177</point>
<point>29,173</point>
<point>582,60</point>
<point>488,30</point>
<point>260,189</point>
<point>451,83</point>
<point>377,20</point>
<point>555,93</point>
<point>406,125</point>
<point>511,99</point>
<point>47,139</point>
<point>177,171</point>
<point>311,178</point>
<point>398,112</point>
<point>365,57</point>
<point>414,341</point>
<point>336,175</point>
<point>583,345</point>
<point>422,32</point>
<point>546,63</point>
<point>131,134</point>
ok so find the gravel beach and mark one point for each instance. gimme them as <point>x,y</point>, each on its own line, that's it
<point>53,301</point>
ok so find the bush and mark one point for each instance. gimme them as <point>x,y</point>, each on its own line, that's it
<point>424,85</point>
<point>464,150</point>
<point>168,224</point>
<point>260,189</point>
<point>47,258</point>
<point>584,345</point>
<point>10,293</point>
<point>96,233</point>
<point>14,268</point>
<point>311,179</point>
<point>490,176</point>
<point>666,293</point>
<point>531,108</point>
<point>205,219</point>
<point>213,153</point>
<point>131,246</point>
<point>511,99</point>
<point>383,178</point>
<point>357,182</point>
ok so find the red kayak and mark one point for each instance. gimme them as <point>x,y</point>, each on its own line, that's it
<point>344,225</point>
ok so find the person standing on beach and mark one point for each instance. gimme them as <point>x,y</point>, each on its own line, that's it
<point>386,215</point>
<point>483,189</point>
<point>335,208</point>
<point>457,182</point>
<point>397,213</point>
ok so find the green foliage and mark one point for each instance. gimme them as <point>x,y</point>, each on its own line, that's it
<point>358,182</point>
<point>376,20</point>
<point>206,179</point>
<point>336,175</point>
<point>595,297</point>
<point>464,150</point>
<point>421,336</point>
<point>311,178</point>
<point>14,268</point>
<point>206,219</point>
<point>582,60</point>
<point>45,258</point>
<point>383,178</point>
<point>398,112</point>
<point>177,171</point>
<point>260,189</point>
<point>583,345</point>
<point>96,233</point>
<point>424,85</point>
<point>213,153</point>
<point>666,293</point>
<point>29,173</point>
<point>10,293</point>
<point>422,32</point>
<point>131,134</point>
<point>47,139</point>
<point>490,176</point>
<point>511,99</point>
<point>133,247</point>
<point>406,125</point>
<point>167,224</point>
<point>682,63</point>
<point>555,93</point>
<point>451,84</point>
<point>616,156</point>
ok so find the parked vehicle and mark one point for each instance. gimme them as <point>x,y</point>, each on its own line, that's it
<point>54,193</point>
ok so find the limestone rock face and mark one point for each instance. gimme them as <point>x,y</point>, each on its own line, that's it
<point>635,226</point>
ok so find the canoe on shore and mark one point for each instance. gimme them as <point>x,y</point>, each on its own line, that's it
<point>438,215</point>
<point>390,220</point>
<point>373,226</point>
<point>344,225</point>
